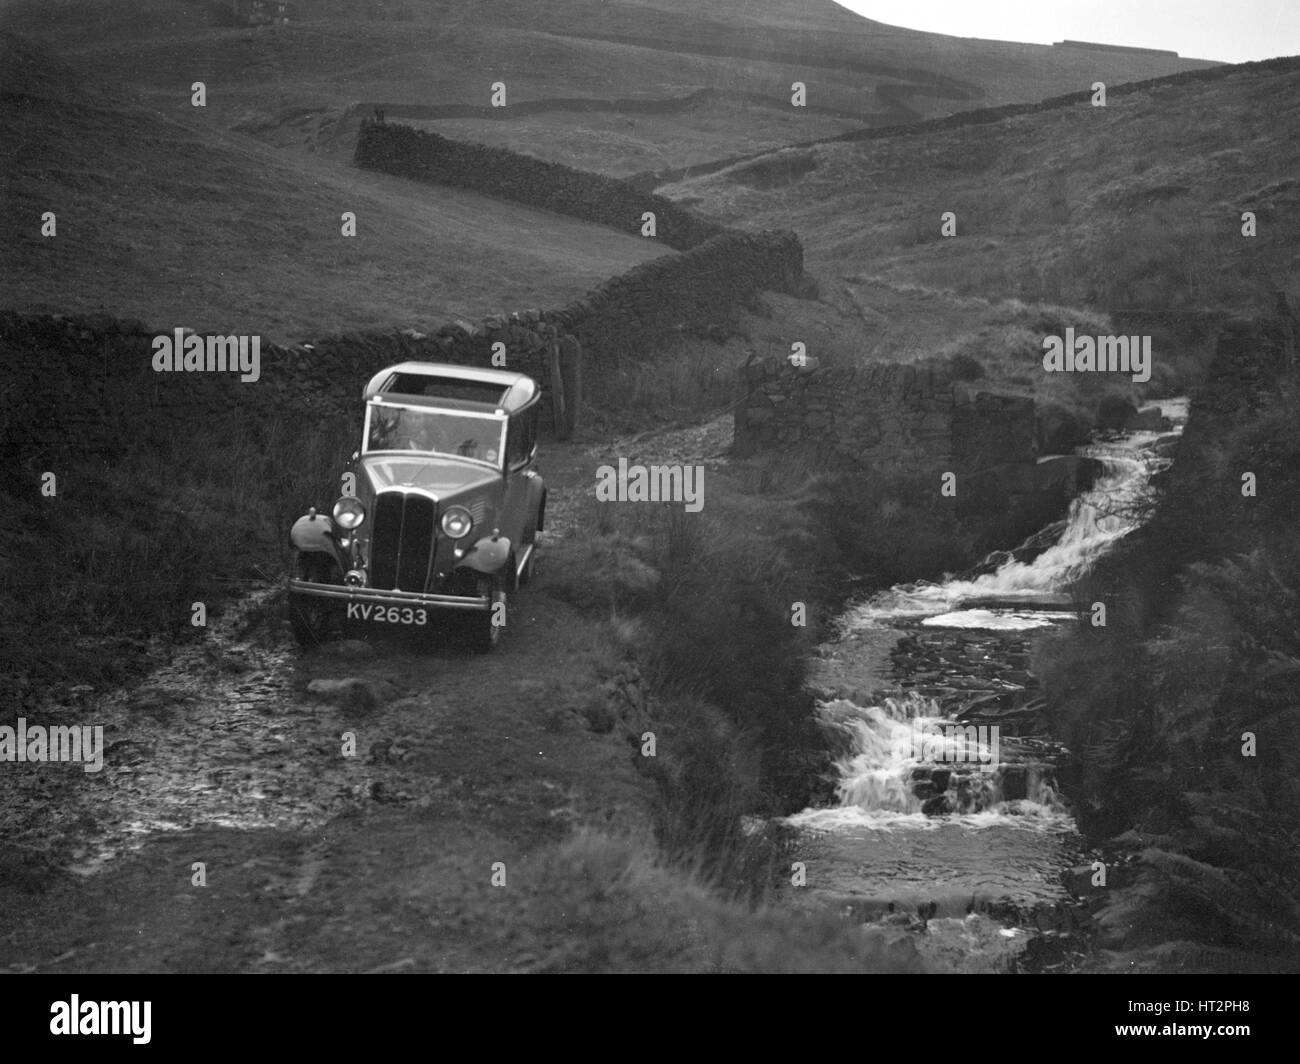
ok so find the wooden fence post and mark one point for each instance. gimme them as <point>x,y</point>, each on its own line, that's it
<point>571,369</point>
<point>557,392</point>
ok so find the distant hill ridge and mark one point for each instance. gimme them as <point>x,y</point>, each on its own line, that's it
<point>981,116</point>
<point>1114,48</point>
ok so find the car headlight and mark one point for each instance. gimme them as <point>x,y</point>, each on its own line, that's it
<point>457,522</point>
<point>349,513</point>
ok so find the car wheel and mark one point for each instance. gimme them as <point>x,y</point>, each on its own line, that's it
<point>485,634</point>
<point>308,615</point>
<point>308,620</point>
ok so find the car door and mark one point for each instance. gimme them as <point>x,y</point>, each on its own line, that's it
<point>522,487</point>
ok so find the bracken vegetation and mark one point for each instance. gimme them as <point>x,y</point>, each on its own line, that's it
<point>1185,706</point>
<point>131,540</point>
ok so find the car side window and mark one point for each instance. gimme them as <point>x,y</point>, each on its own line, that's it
<point>515,452</point>
<point>521,437</point>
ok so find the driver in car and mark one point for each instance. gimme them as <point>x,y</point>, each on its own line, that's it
<point>424,436</point>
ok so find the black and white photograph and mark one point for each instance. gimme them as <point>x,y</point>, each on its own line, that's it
<point>650,487</point>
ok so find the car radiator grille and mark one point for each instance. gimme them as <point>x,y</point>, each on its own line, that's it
<point>402,541</point>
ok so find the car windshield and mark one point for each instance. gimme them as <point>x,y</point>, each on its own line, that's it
<point>407,428</point>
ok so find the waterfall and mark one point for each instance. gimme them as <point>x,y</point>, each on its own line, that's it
<point>908,764</point>
<point>1097,519</point>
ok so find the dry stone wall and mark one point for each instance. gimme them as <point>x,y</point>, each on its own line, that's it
<point>88,381</point>
<point>881,415</point>
<point>407,152</point>
<point>634,312</point>
<point>886,419</point>
<point>630,314</point>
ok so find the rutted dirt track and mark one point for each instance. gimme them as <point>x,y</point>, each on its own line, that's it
<point>232,756</point>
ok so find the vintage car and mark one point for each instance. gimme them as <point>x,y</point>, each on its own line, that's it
<point>446,509</point>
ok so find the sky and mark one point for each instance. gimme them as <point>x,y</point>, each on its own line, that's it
<point>1233,31</point>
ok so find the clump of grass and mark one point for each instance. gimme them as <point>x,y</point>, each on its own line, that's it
<point>724,632</point>
<point>132,540</point>
<point>889,529</point>
<point>611,572</point>
<point>625,909</point>
<point>686,379</point>
<point>737,732</point>
<point>708,781</point>
<point>964,367</point>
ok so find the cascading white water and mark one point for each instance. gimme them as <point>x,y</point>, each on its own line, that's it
<point>1096,520</point>
<point>897,737</point>
<point>891,742</point>
<point>876,779</point>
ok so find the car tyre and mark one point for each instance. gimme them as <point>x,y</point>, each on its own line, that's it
<point>485,635</point>
<point>309,616</point>
<point>308,620</point>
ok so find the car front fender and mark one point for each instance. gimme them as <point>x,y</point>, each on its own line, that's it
<point>314,533</point>
<point>487,555</point>
<point>537,501</point>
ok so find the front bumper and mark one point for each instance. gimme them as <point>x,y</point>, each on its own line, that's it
<point>377,596</point>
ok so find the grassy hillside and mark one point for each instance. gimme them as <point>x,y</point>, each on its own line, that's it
<point>1132,209</point>
<point>171,212</point>
<point>300,84</point>
<point>185,222</point>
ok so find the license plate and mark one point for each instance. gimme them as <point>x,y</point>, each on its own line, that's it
<point>369,611</point>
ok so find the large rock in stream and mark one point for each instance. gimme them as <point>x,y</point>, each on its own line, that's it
<point>1020,497</point>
